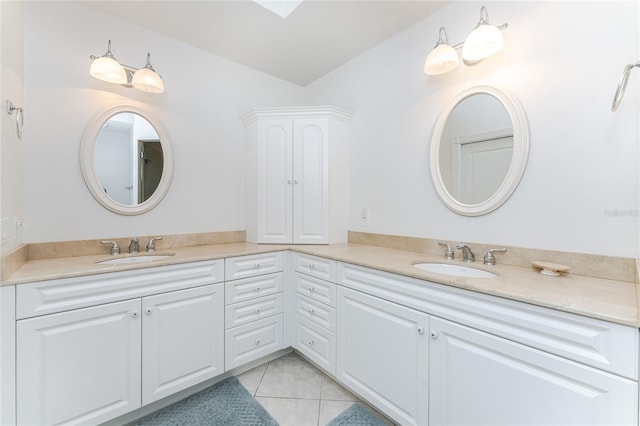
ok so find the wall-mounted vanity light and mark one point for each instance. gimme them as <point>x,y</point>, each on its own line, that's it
<point>482,42</point>
<point>107,68</point>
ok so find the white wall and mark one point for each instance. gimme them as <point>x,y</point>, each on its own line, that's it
<point>204,97</point>
<point>580,189</point>
<point>11,149</point>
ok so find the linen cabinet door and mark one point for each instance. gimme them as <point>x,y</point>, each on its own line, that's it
<point>310,181</point>
<point>383,355</point>
<point>275,181</point>
<point>481,379</point>
<point>182,340</point>
<point>80,366</point>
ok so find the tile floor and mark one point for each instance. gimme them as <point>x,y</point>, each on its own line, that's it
<point>295,392</point>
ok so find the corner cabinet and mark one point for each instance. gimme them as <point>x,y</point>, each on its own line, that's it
<point>297,180</point>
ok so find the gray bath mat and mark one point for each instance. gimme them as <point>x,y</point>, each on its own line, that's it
<point>225,403</point>
<point>357,415</point>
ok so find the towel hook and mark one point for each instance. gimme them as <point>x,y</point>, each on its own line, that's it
<point>19,117</point>
<point>622,86</point>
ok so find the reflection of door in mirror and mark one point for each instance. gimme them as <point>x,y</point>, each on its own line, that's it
<point>477,149</point>
<point>113,160</point>
<point>126,174</point>
<point>150,166</point>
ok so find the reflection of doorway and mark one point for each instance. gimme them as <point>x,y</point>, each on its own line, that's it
<point>483,166</point>
<point>150,164</point>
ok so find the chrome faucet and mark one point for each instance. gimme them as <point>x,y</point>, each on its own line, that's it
<point>115,248</point>
<point>151,245</point>
<point>134,247</point>
<point>467,254</point>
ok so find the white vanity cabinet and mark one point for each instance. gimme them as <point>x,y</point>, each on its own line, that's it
<point>110,343</point>
<point>81,366</point>
<point>479,378</point>
<point>297,175</point>
<point>383,355</point>
<point>254,307</point>
<point>314,318</point>
<point>477,359</point>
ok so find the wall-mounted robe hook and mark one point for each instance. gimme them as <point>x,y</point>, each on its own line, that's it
<point>19,117</point>
<point>622,85</point>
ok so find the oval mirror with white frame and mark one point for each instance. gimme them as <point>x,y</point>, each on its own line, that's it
<point>126,160</point>
<point>479,150</point>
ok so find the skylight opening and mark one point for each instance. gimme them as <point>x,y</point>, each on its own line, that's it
<point>282,8</point>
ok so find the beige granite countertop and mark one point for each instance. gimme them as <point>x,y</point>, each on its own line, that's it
<point>611,300</point>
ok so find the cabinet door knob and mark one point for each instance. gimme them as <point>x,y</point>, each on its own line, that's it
<point>310,311</point>
<point>134,314</point>
<point>289,181</point>
<point>420,329</point>
<point>295,181</point>
<point>257,266</point>
<point>149,310</point>
<point>257,310</point>
<point>311,289</point>
<point>434,335</point>
<point>257,341</point>
<point>257,289</point>
<point>310,342</point>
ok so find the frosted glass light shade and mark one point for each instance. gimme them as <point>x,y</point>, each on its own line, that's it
<point>108,69</point>
<point>148,80</point>
<point>483,42</point>
<point>442,59</point>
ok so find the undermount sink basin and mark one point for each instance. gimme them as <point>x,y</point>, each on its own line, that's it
<point>455,270</point>
<point>136,259</point>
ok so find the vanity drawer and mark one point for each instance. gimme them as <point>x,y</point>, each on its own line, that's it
<point>316,266</point>
<point>253,287</point>
<point>255,264</point>
<point>52,296</point>
<point>320,290</point>
<point>251,341</point>
<point>316,343</point>
<point>318,313</point>
<point>251,310</point>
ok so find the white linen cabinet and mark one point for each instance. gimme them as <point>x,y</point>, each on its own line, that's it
<point>297,180</point>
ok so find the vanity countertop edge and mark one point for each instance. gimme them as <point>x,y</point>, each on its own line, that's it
<point>609,300</point>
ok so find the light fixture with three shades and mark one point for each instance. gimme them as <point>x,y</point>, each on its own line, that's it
<point>107,68</point>
<point>484,41</point>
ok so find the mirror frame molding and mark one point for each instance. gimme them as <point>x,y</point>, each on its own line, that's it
<point>89,172</point>
<point>518,162</point>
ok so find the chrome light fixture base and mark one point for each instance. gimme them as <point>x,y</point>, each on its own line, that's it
<point>107,68</point>
<point>484,41</point>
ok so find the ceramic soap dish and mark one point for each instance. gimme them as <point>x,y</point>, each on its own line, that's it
<point>550,269</point>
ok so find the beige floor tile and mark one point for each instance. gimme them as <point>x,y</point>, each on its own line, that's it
<point>291,377</point>
<point>329,410</point>
<point>292,412</point>
<point>333,391</point>
<point>252,378</point>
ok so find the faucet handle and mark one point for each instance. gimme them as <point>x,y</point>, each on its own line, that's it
<point>448,251</point>
<point>151,245</point>
<point>115,248</point>
<point>489,258</point>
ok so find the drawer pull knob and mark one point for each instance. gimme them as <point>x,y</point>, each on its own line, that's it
<point>257,310</point>
<point>434,335</point>
<point>420,329</point>
<point>134,314</point>
<point>311,289</point>
<point>257,341</point>
<point>257,289</point>
<point>312,266</point>
<point>148,310</point>
<point>310,311</point>
<point>257,266</point>
<point>310,342</point>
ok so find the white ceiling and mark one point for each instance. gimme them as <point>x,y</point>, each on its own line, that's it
<point>317,37</point>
